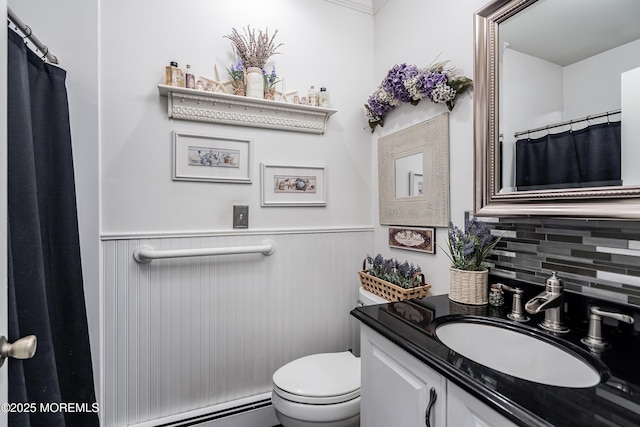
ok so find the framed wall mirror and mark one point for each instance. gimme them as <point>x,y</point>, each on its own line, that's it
<point>413,174</point>
<point>556,107</point>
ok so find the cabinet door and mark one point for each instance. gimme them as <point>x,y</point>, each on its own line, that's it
<point>396,387</point>
<point>464,410</point>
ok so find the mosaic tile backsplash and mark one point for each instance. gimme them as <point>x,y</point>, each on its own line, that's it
<point>595,258</point>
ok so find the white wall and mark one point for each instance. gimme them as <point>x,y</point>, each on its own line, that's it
<point>422,32</point>
<point>521,106</point>
<point>324,45</point>
<point>630,125</point>
<point>593,86</point>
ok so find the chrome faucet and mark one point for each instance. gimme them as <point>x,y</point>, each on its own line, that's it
<point>550,301</point>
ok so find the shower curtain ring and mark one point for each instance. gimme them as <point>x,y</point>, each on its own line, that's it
<point>44,55</point>
<point>26,27</point>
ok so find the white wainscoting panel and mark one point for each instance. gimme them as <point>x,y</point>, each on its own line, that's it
<point>187,333</point>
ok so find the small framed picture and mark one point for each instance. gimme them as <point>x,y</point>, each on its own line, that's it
<point>293,185</point>
<point>413,239</point>
<point>211,158</point>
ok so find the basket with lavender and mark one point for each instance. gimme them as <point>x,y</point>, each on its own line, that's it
<point>393,280</point>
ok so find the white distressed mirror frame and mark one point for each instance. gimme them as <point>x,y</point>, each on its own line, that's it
<point>602,202</point>
<point>431,138</point>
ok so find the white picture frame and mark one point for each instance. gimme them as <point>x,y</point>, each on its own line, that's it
<point>211,158</point>
<point>286,185</point>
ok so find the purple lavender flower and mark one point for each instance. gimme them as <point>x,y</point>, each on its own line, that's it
<point>469,249</point>
<point>389,265</point>
<point>378,260</point>
<point>270,78</point>
<point>391,270</point>
<point>404,270</point>
<point>237,72</point>
<point>394,81</point>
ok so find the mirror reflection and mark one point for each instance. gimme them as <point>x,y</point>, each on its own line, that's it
<point>569,88</point>
<point>408,175</point>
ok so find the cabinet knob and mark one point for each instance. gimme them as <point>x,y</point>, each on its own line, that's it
<point>432,399</point>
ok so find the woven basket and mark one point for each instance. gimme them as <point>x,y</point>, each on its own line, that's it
<point>392,292</point>
<point>468,287</point>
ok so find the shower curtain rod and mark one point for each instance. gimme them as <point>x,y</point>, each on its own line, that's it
<point>28,34</point>
<point>568,122</point>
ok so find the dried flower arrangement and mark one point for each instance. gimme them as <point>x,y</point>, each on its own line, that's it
<point>408,83</point>
<point>469,248</point>
<point>391,270</point>
<point>254,50</point>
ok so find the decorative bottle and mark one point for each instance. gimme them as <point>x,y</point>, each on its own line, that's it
<point>312,97</point>
<point>189,78</point>
<point>323,98</point>
<point>177,76</point>
<point>168,76</point>
<point>172,74</point>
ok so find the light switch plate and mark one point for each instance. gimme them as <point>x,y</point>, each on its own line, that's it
<point>240,216</point>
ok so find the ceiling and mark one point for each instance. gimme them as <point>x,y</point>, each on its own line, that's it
<point>367,6</point>
<point>568,31</point>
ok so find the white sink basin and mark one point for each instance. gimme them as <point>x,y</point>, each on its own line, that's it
<point>520,352</point>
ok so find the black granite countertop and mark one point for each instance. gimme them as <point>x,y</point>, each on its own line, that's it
<point>613,402</point>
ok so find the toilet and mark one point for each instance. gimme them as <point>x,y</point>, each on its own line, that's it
<point>321,390</point>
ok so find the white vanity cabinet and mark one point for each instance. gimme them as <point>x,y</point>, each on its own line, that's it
<point>396,387</point>
<point>464,410</point>
<point>396,391</point>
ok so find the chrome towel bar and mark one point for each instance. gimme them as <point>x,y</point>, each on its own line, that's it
<point>146,253</point>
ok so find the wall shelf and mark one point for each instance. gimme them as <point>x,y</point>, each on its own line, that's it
<point>215,107</point>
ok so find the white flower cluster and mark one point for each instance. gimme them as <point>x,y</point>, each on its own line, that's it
<point>382,97</point>
<point>442,93</point>
<point>412,87</point>
<point>370,116</point>
<point>386,97</point>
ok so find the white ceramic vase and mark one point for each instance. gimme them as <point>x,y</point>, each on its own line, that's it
<point>255,83</point>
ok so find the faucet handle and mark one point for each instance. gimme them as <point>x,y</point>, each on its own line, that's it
<point>596,311</point>
<point>516,303</point>
<point>594,338</point>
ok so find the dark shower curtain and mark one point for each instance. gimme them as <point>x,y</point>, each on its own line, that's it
<point>582,158</point>
<point>46,296</point>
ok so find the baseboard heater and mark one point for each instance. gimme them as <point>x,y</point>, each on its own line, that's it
<point>256,410</point>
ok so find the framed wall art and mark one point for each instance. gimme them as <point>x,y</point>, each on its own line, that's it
<point>211,158</point>
<point>293,185</point>
<point>413,239</point>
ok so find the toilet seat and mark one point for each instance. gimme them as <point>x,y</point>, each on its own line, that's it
<point>320,379</point>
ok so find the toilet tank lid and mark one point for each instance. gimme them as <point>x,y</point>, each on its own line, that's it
<point>368,298</point>
<point>320,375</point>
